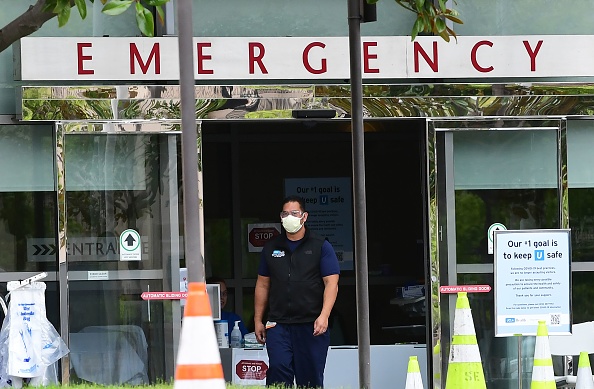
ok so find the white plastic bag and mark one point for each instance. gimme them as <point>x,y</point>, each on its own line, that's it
<point>30,346</point>
<point>26,310</point>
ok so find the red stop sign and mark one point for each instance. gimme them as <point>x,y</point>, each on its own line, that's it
<point>247,369</point>
<point>260,235</point>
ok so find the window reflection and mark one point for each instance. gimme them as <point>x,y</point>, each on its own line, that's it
<point>27,198</point>
<point>517,209</point>
<point>27,231</point>
<point>114,183</point>
<point>581,220</point>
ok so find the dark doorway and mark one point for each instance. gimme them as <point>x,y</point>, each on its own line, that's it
<point>245,164</point>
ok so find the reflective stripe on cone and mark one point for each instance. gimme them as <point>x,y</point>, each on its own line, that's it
<point>543,376</point>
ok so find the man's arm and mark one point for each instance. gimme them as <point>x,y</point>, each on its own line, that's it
<point>330,293</point>
<point>260,303</point>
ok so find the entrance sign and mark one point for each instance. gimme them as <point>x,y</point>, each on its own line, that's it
<point>82,249</point>
<point>329,204</point>
<point>532,281</point>
<point>491,232</point>
<point>305,58</point>
<point>130,247</point>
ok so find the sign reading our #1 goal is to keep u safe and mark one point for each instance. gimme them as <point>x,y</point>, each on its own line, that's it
<point>130,247</point>
<point>532,281</point>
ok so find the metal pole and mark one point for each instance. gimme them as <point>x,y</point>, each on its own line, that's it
<point>193,252</point>
<point>360,213</point>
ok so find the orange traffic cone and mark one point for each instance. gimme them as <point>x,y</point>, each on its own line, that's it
<point>465,369</point>
<point>413,376</point>
<point>198,359</point>
<point>543,376</point>
<point>584,374</point>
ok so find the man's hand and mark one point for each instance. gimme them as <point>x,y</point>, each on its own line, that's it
<point>320,325</point>
<point>260,332</point>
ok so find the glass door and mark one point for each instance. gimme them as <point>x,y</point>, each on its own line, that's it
<point>485,172</point>
<point>117,182</point>
<point>28,210</point>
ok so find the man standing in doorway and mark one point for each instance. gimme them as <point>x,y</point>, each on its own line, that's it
<point>298,282</point>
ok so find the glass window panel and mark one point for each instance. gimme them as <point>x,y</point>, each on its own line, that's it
<point>580,175</point>
<point>508,17</point>
<point>27,157</point>
<point>517,209</point>
<point>582,296</point>
<point>505,159</point>
<point>112,326</point>
<point>134,195</point>
<point>580,159</point>
<point>108,162</point>
<point>288,18</point>
<point>27,198</point>
<point>581,220</point>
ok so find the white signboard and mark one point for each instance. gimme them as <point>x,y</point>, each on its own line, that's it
<point>329,204</point>
<point>306,58</point>
<point>97,275</point>
<point>249,366</point>
<point>130,246</point>
<point>532,281</point>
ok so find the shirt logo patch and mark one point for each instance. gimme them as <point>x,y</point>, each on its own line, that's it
<point>308,252</point>
<point>278,253</point>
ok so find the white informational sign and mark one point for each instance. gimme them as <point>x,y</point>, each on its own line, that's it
<point>130,246</point>
<point>306,58</point>
<point>328,201</point>
<point>97,275</point>
<point>260,233</point>
<point>249,366</point>
<point>491,234</point>
<point>532,281</point>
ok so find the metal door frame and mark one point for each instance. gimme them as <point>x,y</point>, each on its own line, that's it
<point>62,129</point>
<point>443,161</point>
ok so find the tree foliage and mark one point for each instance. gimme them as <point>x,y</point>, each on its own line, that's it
<point>144,16</point>
<point>431,19</point>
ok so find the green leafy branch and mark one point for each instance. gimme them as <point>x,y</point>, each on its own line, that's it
<point>430,18</point>
<point>144,16</point>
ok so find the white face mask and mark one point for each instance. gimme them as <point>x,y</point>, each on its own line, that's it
<point>292,223</point>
